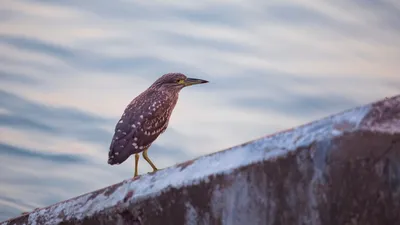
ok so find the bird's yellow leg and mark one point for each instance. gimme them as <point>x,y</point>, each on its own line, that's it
<point>148,160</point>
<point>136,164</point>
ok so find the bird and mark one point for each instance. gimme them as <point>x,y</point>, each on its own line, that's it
<point>146,117</point>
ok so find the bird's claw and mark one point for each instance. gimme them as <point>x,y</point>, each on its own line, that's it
<point>136,177</point>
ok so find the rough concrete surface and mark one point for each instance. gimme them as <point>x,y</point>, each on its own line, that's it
<point>340,170</point>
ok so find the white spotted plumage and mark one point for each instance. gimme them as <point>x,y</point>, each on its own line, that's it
<point>142,122</point>
<point>145,118</point>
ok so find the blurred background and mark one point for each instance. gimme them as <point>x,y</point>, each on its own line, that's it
<point>69,68</point>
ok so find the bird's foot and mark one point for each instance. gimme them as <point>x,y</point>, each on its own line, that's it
<point>155,170</point>
<point>135,177</point>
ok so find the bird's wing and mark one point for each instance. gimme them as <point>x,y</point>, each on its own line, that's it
<point>119,150</point>
<point>155,120</point>
<point>141,123</point>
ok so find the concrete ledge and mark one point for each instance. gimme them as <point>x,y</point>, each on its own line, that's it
<point>343,169</point>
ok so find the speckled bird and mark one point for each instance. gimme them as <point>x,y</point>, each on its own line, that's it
<point>146,117</point>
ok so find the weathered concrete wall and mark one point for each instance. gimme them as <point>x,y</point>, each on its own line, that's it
<point>341,170</point>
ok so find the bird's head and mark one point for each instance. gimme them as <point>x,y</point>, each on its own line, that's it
<point>175,81</point>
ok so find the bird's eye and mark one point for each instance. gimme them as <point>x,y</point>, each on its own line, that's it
<point>179,81</point>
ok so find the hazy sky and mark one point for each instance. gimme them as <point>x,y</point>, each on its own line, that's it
<point>69,68</point>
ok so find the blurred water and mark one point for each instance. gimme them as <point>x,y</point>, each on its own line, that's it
<point>69,68</point>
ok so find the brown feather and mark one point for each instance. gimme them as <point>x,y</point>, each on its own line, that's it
<point>144,119</point>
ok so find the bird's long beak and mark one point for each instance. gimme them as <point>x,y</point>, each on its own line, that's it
<point>193,81</point>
